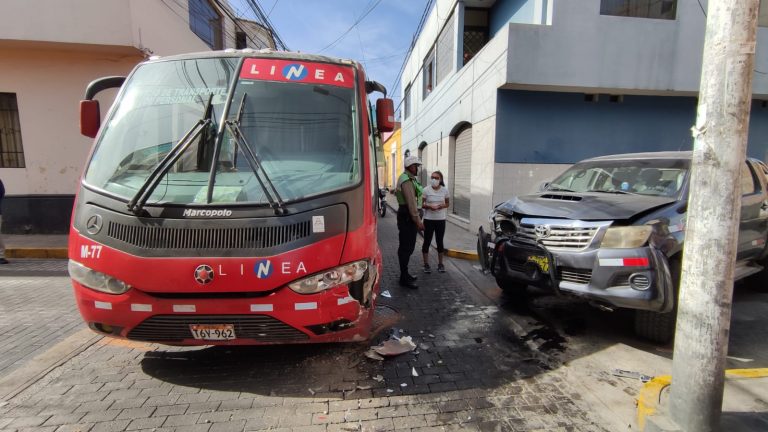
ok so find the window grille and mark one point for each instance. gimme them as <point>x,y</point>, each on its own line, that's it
<point>11,149</point>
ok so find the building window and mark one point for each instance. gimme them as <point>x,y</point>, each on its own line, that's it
<point>11,151</point>
<point>475,32</point>
<point>205,22</point>
<point>762,17</point>
<point>407,102</point>
<point>240,40</point>
<point>429,73</point>
<point>446,51</point>
<point>656,9</point>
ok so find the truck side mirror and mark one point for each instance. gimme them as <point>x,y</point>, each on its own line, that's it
<point>90,118</point>
<point>385,115</point>
<point>543,187</point>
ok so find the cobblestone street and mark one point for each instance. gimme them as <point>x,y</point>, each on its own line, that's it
<point>469,372</point>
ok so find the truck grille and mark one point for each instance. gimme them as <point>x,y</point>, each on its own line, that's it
<point>151,237</point>
<point>169,328</point>
<point>560,237</point>
<point>579,276</point>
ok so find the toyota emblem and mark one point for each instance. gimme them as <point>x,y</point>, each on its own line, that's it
<point>204,274</point>
<point>542,231</point>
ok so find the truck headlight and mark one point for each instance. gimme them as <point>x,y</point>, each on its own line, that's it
<point>96,280</point>
<point>626,237</point>
<point>328,279</point>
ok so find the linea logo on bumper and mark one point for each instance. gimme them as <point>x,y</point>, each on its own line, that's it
<point>207,213</point>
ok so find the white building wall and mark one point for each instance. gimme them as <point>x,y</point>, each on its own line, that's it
<point>467,96</point>
<point>556,45</point>
<point>583,50</point>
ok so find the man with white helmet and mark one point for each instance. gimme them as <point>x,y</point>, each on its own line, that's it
<point>408,193</point>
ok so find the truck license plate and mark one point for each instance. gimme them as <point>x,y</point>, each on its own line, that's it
<point>213,331</point>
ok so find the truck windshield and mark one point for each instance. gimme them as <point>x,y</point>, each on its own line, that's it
<point>304,135</point>
<point>658,177</point>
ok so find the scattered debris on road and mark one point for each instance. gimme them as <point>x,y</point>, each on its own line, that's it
<point>631,374</point>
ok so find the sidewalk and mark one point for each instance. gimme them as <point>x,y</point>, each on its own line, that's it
<point>459,243</point>
<point>35,246</point>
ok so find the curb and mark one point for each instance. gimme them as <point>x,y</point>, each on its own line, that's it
<point>650,395</point>
<point>453,253</point>
<point>50,252</point>
<point>462,254</point>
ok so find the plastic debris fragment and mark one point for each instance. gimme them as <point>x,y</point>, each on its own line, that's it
<point>371,354</point>
<point>395,346</point>
<point>386,294</point>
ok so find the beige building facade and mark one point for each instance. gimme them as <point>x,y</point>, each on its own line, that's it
<point>49,51</point>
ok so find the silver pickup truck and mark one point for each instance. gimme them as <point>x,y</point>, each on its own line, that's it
<point>611,230</point>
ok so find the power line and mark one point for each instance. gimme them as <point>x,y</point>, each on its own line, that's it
<point>264,21</point>
<point>235,20</point>
<point>272,8</point>
<point>355,24</point>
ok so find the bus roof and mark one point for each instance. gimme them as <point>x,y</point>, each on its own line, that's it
<point>264,53</point>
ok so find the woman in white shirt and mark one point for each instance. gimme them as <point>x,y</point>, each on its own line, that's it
<point>435,203</point>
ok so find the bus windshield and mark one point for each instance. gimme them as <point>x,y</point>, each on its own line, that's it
<point>304,134</point>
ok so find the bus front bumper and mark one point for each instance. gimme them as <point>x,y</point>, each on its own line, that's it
<point>281,316</point>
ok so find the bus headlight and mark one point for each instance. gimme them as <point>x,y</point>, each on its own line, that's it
<point>626,237</point>
<point>328,279</point>
<point>95,280</point>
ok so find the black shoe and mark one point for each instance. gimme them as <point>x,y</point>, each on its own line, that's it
<point>3,261</point>
<point>408,284</point>
<point>411,278</point>
<point>440,268</point>
<point>427,269</point>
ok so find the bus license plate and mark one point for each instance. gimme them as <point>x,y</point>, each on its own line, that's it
<point>213,331</point>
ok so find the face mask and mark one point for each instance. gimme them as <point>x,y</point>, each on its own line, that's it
<point>435,182</point>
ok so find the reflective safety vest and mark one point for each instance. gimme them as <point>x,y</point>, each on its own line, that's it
<point>404,177</point>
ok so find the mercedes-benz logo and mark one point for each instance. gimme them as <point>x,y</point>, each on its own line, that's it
<point>93,226</point>
<point>542,231</point>
<point>204,274</point>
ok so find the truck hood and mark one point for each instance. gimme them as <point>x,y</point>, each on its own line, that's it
<point>583,206</point>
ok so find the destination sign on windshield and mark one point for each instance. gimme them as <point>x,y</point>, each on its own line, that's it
<point>298,72</point>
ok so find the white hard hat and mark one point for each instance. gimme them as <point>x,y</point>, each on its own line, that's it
<point>410,160</point>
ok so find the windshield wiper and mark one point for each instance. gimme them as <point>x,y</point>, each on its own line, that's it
<point>558,189</point>
<point>136,204</point>
<point>615,191</point>
<point>254,162</point>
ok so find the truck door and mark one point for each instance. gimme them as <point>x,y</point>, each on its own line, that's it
<point>754,214</point>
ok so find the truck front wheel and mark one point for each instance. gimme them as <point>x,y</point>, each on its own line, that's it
<point>660,327</point>
<point>514,289</point>
<point>654,326</point>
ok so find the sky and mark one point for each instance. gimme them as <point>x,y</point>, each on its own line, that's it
<point>379,42</point>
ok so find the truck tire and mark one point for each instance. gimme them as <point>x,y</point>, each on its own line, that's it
<point>660,327</point>
<point>512,289</point>
<point>759,281</point>
<point>654,326</point>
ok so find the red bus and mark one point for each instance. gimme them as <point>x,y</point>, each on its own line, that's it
<point>230,198</point>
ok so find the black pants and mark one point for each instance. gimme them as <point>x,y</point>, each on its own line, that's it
<point>407,231</point>
<point>436,227</point>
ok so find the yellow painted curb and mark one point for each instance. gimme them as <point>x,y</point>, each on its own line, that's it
<point>649,397</point>
<point>467,255</point>
<point>58,253</point>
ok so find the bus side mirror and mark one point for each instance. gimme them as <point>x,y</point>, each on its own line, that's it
<point>90,118</point>
<point>385,115</point>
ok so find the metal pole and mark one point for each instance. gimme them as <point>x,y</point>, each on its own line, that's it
<point>714,209</point>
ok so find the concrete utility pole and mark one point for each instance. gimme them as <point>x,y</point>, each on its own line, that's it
<point>714,209</point>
